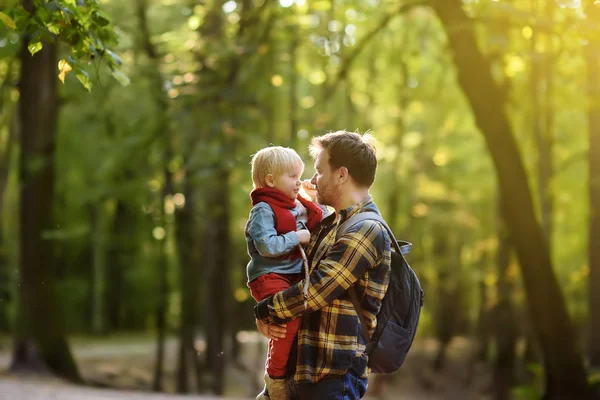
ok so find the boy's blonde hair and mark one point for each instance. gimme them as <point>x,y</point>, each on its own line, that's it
<point>274,160</point>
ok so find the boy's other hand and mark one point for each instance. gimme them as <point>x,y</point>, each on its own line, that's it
<point>309,189</point>
<point>303,236</point>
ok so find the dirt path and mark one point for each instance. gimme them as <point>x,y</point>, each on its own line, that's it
<point>12,389</point>
<point>141,347</point>
<point>129,365</point>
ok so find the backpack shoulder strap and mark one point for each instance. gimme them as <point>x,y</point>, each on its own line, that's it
<point>400,248</point>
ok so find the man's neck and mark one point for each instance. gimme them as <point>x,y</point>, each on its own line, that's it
<point>350,199</point>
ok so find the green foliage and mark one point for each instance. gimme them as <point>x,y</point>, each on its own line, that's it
<point>81,25</point>
<point>75,306</point>
<point>594,380</point>
<point>233,80</point>
<point>533,391</point>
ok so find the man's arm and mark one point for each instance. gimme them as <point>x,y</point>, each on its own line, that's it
<point>358,250</point>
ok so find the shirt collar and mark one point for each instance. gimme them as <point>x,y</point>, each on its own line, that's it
<point>350,211</point>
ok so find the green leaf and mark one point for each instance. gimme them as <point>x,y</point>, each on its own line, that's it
<point>64,68</point>
<point>121,77</point>
<point>115,58</point>
<point>34,47</point>
<point>52,6</point>
<point>84,78</point>
<point>6,20</point>
<point>100,19</point>
<point>19,14</point>
<point>54,28</point>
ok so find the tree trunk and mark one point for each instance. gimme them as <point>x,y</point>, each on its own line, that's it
<point>162,128</point>
<point>396,184</point>
<point>483,320</point>
<point>98,216</point>
<point>219,293</point>
<point>564,371</point>
<point>161,309</point>
<point>5,281</point>
<point>41,339</point>
<point>189,282</point>
<point>505,324</point>
<point>293,31</point>
<point>119,250</point>
<point>542,129</point>
<point>592,58</point>
<point>445,318</point>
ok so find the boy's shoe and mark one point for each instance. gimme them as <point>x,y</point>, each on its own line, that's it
<point>276,388</point>
<point>264,395</point>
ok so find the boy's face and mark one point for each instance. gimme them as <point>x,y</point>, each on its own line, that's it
<point>289,183</point>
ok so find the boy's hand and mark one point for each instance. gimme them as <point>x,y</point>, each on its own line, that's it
<point>303,236</point>
<point>309,189</point>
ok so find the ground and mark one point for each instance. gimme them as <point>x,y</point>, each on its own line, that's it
<point>125,365</point>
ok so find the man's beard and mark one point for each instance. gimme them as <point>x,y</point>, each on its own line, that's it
<point>324,197</point>
<point>321,199</point>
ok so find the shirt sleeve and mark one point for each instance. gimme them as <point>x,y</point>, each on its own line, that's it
<point>261,228</point>
<point>357,251</point>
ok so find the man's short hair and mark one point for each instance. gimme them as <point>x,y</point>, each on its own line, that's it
<point>274,160</point>
<point>354,151</point>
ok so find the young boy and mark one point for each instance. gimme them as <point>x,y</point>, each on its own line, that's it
<point>280,222</point>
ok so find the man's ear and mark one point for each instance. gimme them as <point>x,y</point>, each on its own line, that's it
<point>343,174</point>
<point>269,180</point>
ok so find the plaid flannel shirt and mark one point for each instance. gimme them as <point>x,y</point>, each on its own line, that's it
<point>330,339</point>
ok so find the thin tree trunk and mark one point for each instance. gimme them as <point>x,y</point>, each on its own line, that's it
<point>118,253</point>
<point>161,313</point>
<point>592,60</point>
<point>444,316</point>
<point>393,198</point>
<point>542,116</point>
<point>5,162</point>
<point>482,319</point>
<point>564,371</point>
<point>162,128</point>
<point>546,167</point>
<point>293,87</point>
<point>41,339</point>
<point>188,357</point>
<point>218,279</point>
<point>98,269</point>
<point>505,330</point>
<point>540,92</point>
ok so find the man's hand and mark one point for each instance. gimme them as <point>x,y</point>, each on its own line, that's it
<point>271,331</point>
<point>303,236</point>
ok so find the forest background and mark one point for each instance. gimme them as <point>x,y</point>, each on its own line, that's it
<point>127,128</point>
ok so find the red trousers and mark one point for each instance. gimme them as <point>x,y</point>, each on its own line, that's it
<point>265,286</point>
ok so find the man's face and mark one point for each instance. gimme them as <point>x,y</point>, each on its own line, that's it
<point>325,181</point>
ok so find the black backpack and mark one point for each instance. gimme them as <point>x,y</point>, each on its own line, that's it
<point>398,317</point>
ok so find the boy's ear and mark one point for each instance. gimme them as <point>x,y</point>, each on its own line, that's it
<point>269,180</point>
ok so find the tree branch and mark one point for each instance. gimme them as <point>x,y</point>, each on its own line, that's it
<point>347,61</point>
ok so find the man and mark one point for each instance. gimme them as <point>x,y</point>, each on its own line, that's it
<point>331,360</point>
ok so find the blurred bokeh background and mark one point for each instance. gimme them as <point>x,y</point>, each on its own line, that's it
<point>124,189</point>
